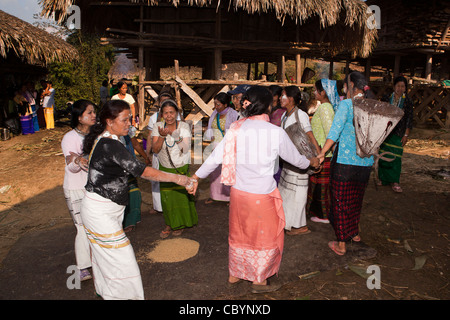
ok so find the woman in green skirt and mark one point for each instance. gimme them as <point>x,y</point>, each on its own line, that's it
<point>172,141</point>
<point>389,172</point>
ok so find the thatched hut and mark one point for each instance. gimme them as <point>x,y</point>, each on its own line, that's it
<point>210,33</point>
<point>25,53</point>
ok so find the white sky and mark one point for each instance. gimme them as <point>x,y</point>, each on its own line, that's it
<point>22,9</point>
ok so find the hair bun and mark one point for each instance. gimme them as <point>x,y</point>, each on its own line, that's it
<point>366,88</point>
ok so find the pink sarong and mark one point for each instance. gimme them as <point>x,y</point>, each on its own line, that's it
<point>256,235</point>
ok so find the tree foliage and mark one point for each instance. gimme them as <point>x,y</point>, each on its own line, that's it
<point>81,79</point>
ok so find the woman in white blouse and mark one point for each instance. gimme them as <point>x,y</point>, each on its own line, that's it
<point>171,140</point>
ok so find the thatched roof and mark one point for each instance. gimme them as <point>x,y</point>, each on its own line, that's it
<point>344,20</point>
<point>31,44</point>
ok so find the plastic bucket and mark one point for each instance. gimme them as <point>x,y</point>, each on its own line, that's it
<point>26,123</point>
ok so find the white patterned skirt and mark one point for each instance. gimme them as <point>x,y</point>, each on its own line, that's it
<point>294,192</point>
<point>115,270</point>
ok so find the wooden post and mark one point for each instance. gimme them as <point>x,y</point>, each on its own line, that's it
<point>217,64</point>
<point>298,68</point>
<point>249,70</point>
<point>397,65</point>
<point>367,68</point>
<point>330,70</point>
<point>177,89</point>
<point>347,67</point>
<point>281,69</point>
<point>217,68</point>
<point>255,77</point>
<point>428,67</point>
<point>141,98</point>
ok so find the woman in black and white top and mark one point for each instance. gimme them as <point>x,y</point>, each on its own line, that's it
<point>116,273</point>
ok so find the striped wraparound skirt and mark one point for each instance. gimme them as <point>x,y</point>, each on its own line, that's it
<point>389,171</point>
<point>347,187</point>
<point>256,235</point>
<point>293,188</point>
<point>115,270</point>
<point>319,192</point>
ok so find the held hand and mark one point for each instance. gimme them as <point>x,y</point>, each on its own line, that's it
<point>84,164</point>
<point>192,187</point>
<point>404,140</point>
<point>314,162</point>
<point>71,157</point>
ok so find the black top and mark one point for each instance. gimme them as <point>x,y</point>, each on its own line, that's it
<point>407,120</point>
<point>109,169</point>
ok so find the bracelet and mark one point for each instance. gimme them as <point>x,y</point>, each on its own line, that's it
<point>406,135</point>
<point>179,140</point>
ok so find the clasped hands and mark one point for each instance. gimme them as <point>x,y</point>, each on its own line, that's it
<point>316,162</point>
<point>77,159</point>
<point>163,132</point>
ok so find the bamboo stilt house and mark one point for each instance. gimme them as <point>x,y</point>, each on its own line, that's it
<point>210,33</point>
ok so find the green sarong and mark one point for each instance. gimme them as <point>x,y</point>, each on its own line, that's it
<point>389,172</point>
<point>177,204</point>
<point>132,213</point>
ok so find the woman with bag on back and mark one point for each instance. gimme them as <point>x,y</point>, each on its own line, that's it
<point>293,185</point>
<point>349,173</point>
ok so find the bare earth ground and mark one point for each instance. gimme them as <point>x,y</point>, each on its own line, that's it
<point>406,235</point>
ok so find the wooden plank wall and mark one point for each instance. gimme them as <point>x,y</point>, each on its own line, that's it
<point>431,103</point>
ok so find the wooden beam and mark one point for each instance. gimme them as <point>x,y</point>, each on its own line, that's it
<point>193,95</point>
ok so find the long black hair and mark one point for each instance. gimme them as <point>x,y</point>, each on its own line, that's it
<point>110,110</point>
<point>78,108</point>
<point>360,82</point>
<point>223,98</point>
<point>260,98</point>
<point>294,92</point>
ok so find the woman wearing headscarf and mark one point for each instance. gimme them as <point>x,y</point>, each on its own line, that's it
<point>318,204</point>
<point>116,272</point>
<point>219,123</point>
<point>248,154</point>
<point>349,173</point>
<point>389,172</point>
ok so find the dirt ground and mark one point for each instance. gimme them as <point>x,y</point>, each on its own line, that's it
<point>405,235</point>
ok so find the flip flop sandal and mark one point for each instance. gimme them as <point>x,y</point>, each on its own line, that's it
<point>397,188</point>
<point>332,245</point>
<point>164,234</point>
<point>297,233</point>
<point>209,201</point>
<point>177,232</point>
<point>269,287</point>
